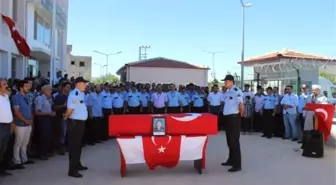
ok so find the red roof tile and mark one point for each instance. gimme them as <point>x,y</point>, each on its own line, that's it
<point>161,62</point>
<point>286,54</point>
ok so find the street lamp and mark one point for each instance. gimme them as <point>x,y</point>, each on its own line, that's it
<point>107,57</point>
<point>101,67</point>
<point>243,42</point>
<point>213,61</point>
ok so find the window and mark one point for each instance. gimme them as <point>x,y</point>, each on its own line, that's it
<point>72,62</point>
<point>15,12</point>
<point>13,67</point>
<point>42,30</point>
<point>81,64</point>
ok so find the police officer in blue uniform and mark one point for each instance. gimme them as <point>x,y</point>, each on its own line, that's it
<point>232,112</point>
<point>268,113</point>
<point>173,100</point>
<point>106,99</point>
<point>185,100</point>
<point>118,101</point>
<point>133,101</point>
<point>76,115</point>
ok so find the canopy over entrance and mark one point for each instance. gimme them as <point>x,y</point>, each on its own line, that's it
<point>289,66</point>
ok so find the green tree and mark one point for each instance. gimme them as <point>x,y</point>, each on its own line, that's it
<point>328,76</point>
<point>108,78</point>
<point>215,81</point>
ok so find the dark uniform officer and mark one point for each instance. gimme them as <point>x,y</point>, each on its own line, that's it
<point>269,110</point>
<point>233,108</point>
<point>76,115</point>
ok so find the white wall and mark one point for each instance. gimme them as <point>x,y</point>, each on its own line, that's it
<point>168,75</point>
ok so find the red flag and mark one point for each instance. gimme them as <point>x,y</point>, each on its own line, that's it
<point>325,114</point>
<point>162,151</point>
<point>19,41</point>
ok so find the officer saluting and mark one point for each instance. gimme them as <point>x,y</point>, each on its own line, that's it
<point>76,115</point>
<point>233,111</point>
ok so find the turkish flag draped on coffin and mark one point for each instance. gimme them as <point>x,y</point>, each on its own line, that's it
<point>19,41</point>
<point>176,124</point>
<point>325,114</point>
<point>164,151</point>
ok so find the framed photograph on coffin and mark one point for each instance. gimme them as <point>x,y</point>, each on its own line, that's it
<point>159,126</point>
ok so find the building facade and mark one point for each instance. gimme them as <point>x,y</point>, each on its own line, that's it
<point>33,20</point>
<point>163,70</point>
<point>78,65</point>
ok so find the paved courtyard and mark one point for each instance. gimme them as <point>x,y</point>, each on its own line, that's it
<point>265,162</point>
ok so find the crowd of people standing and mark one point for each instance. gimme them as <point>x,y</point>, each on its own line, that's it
<point>33,124</point>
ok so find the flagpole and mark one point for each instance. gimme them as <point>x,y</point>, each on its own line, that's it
<point>52,44</point>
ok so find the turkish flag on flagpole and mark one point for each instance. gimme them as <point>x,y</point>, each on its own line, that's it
<point>324,114</point>
<point>19,41</point>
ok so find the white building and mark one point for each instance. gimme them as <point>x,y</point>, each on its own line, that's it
<point>76,66</point>
<point>33,20</point>
<point>163,70</point>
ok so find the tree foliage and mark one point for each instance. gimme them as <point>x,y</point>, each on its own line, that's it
<point>328,76</point>
<point>108,78</point>
<point>215,81</point>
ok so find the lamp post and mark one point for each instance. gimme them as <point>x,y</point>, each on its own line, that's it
<point>213,61</point>
<point>107,57</point>
<point>243,42</point>
<point>101,67</point>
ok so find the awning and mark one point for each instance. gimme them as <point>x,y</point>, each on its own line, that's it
<point>19,41</point>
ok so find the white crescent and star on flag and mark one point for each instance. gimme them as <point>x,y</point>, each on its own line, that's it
<point>161,149</point>
<point>190,117</point>
<point>324,112</point>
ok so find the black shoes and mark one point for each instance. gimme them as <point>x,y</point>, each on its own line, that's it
<point>234,169</point>
<point>226,164</point>
<point>19,167</point>
<point>29,162</point>
<point>82,168</point>
<point>4,173</point>
<point>75,175</point>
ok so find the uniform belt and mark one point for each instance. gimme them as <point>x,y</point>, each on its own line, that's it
<point>231,115</point>
<point>107,108</point>
<point>214,105</point>
<point>268,109</point>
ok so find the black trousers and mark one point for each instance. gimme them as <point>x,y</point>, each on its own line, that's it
<point>118,111</point>
<point>185,109</point>
<point>247,124</point>
<point>134,110</point>
<point>145,110</point>
<point>105,135</point>
<point>232,130</point>
<point>257,122</point>
<point>75,129</point>
<point>94,129</point>
<point>279,130</point>
<point>269,123</point>
<point>4,138</point>
<point>8,157</point>
<point>198,109</point>
<point>45,140</point>
<point>173,110</point>
<point>215,110</point>
<point>159,110</point>
<point>301,121</point>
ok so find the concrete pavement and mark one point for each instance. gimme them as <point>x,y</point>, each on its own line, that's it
<point>265,162</point>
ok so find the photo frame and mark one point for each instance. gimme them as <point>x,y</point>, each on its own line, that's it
<point>159,126</point>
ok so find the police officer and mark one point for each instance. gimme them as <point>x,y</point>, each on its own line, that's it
<point>269,110</point>
<point>133,101</point>
<point>197,101</point>
<point>232,112</point>
<point>144,100</point>
<point>158,101</point>
<point>76,115</point>
<point>106,99</point>
<point>173,100</point>
<point>94,104</point>
<point>215,100</point>
<point>118,101</point>
<point>184,100</point>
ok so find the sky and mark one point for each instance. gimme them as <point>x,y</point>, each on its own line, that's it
<point>181,29</point>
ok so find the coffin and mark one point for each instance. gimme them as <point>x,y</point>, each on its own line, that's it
<point>176,124</point>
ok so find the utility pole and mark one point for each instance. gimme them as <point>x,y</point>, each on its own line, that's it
<point>143,52</point>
